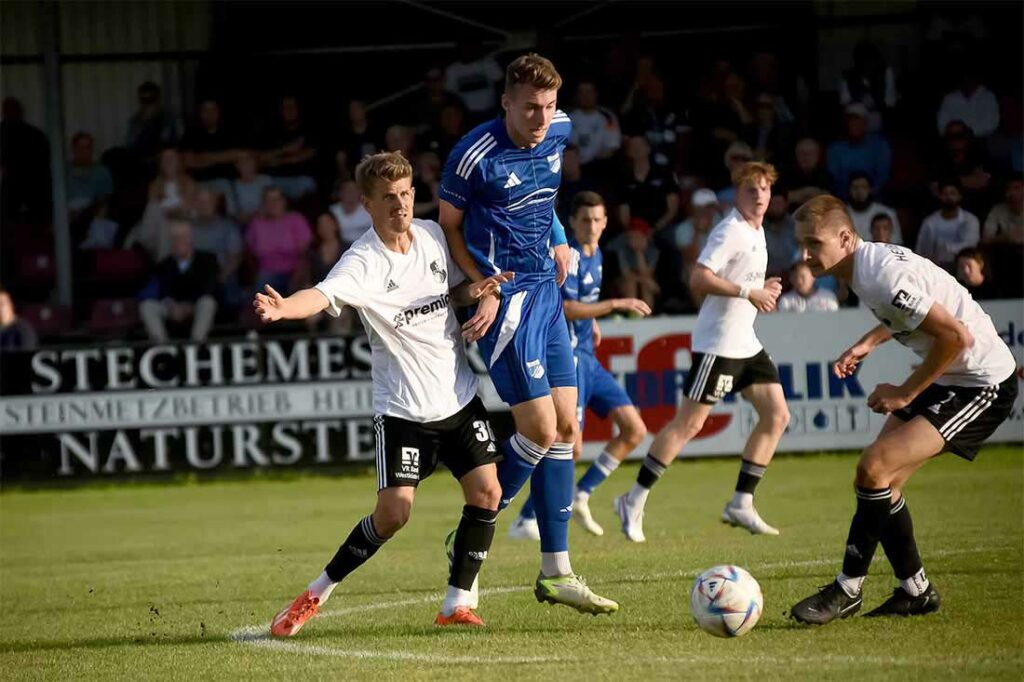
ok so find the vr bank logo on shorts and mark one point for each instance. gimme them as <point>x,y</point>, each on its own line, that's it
<point>422,313</point>
<point>410,468</point>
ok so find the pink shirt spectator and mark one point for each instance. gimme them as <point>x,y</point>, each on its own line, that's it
<point>279,243</point>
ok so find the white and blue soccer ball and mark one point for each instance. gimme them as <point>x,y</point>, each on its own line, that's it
<point>726,601</point>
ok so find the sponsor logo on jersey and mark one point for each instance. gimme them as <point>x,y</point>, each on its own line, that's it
<point>534,369</point>
<point>905,301</point>
<point>555,162</point>
<point>417,314</point>
<point>513,181</point>
<point>440,274</point>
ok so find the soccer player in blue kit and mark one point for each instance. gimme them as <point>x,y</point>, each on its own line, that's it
<point>597,388</point>
<point>497,195</point>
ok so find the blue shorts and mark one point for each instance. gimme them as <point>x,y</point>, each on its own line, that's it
<point>527,348</point>
<point>598,388</point>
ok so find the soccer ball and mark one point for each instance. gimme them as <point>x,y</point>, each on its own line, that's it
<point>726,601</point>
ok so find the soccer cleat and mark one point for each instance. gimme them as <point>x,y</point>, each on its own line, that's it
<point>524,529</point>
<point>632,518</point>
<point>902,604</point>
<point>474,592</point>
<point>463,615</point>
<point>829,603</point>
<point>581,512</point>
<point>570,590</point>
<point>747,517</point>
<point>290,620</point>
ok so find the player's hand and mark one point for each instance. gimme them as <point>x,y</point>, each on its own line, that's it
<point>774,285</point>
<point>491,285</point>
<point>269,306</point>
<point>596,334</point>
<point>632,305</point>
<point>887,398</point>
<point>561,263</point>
<point>482,320</point>
<point>765,299</point>
<point>847,363</point>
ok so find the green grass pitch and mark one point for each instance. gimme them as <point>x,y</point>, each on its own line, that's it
<point>152,581</point>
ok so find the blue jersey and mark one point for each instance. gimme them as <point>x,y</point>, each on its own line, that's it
<point>583,284</point>
<point>508,195</point>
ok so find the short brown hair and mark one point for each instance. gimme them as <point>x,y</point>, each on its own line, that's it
<point>532,69</point>
<point>585,199</point>
<point>824,208</point>
<point>387,166</point>
<point>754,170</point>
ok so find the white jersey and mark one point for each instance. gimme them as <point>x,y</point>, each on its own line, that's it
<point>420,371</point>
<point>736,252</point>
<point>820,301</point>
<point>900,287</point>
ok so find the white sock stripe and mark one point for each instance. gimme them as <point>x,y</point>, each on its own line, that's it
<point>560,451</point>
<point>561,447</point>
<point>974,408</point>
<point>606,463</point>
<point>524,450</point>
<point>898,507</point>
<point>753,469</point>
<point>656,467</point>
<point>885,494</point>
<point>367,525</point>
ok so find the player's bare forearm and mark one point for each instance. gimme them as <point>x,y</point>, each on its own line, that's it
<point>574,310</point>
<point>451,222</point>
<point>876,337</point>
<point>951,339</point>
<point>302,304</point>
<point>704,282</point>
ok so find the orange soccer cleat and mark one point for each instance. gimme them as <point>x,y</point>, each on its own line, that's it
<point>291,619</point>
<point>463,615</point>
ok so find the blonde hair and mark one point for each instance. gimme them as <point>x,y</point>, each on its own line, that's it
<point>387,166</point>
<point>754,170</point>
<point>824,209</point>
<point>532,69</point>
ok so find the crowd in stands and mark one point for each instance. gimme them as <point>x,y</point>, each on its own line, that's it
<point>181,223</point>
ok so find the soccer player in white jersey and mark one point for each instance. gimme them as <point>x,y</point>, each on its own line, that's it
<point>726,356</point>
<point>401,279</point>
<point>962,390</point>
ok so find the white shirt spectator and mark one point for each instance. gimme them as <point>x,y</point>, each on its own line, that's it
<point>862,221</point>
<point>979,110</point>
<point>820,301</point>
<point>596,132</point>
<point>353,224</point>
<point>941,238</point>
<point>474,83</point>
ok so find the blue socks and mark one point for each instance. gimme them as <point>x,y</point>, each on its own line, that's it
<point>552,486</point>
<point>601,469</point>
<point>521,458</point>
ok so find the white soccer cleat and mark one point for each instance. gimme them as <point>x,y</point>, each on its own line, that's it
<point>524,529</point>
<point>631,515</point>
<point>581,512</point>
<point>747,517</point>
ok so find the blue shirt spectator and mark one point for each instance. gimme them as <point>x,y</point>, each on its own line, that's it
<point>858,152</point>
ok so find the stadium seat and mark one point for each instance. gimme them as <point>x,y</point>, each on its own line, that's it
<point>118,266</point>
<point>111,315</point>
<point>48,320</point>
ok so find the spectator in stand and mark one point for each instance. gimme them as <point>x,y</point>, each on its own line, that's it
<point>248,188</point>
<point>690,236</point>
<point>649,193</point>
<point>324,253</point>
<point>1005,222</point>
<point>724,113</point>
<point>213,233</point>
<point>426,180</point>
<point>171,192</point>
<point>779,233</point>
<point>595,129</point>
<point>400,139</point>
<point>653,117</point>
<point>972,103</point>
<point>210,151</point>
<point>573,181</point>
<point>737,154</point>
<point>638,260</point>
<point>278,238</point>
<point>449,130</point>
<point>944,233</point>
<point>151,128</point>
<point>348,212</point>
<point>871,83</point>
<point>88,181</point>
<point>472,79</point>
<point>768,133</point>
<point>805,297</point>
<point>808,176</point>
<point>431,102</point>
<point>15,333</point>
<point>24,167</point>
<point>882,228</point>
<point>183,289</point>
<point>290,152</point>
<point>859,151</point>
<point>972,272</point>
<point>963,158</point>
<point>863,208</point>
<point>102,231</point>
<point>359,139</point>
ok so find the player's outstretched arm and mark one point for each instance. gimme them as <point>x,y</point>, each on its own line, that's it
<point>704,282</point>
<point>855,354</point>
<point>451,222</point>
<point>272,306</point>
<point>468,294</point>
<point>574,310</point>
<point>951,339</point>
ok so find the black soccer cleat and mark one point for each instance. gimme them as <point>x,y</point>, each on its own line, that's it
<point>902,604</point>
<point>829,603</point>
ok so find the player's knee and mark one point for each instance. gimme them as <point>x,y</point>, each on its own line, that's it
<point>687,426</point>
<point>390,519</point>
<point>567,431</point>
<point>487,495</point>
<point>633,432</point>
<point>872,471</point>
<point>778,421</point>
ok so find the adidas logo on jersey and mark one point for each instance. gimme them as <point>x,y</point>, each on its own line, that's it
<point>589,279</point>
<point>391,285</point>
<point>513,181</point>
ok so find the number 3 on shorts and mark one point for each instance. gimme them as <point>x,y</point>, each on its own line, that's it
<point>483,431</point>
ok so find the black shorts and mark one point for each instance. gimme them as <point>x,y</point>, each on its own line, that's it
<point>712,377</point>
<point>964,416</point>
<point>408,452</point>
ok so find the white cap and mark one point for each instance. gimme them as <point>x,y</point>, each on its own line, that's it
<point>704,197</point>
